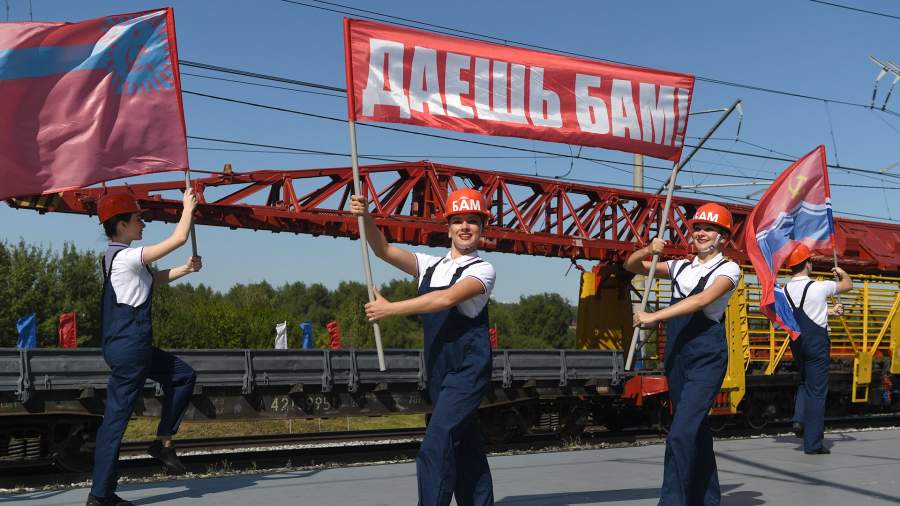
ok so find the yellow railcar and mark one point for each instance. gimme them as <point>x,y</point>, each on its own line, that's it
<point>760,380</point>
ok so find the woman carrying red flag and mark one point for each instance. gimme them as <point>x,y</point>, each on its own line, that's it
<point>127,339</point>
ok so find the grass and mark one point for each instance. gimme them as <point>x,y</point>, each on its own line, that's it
<point>143,429</point>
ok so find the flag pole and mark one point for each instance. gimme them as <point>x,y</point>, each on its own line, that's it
<point>357,187</point>
<point>193,234</point>
<point>840,299</point>
<point>663,221</point>
<point>367,267</point>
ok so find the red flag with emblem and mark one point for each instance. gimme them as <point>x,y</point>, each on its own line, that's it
<point>87,102</point>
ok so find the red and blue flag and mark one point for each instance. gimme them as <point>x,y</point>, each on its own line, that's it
<point>87,102</point>
<point>796,209</point>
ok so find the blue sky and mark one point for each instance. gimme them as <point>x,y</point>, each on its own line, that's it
<point>791,45</point>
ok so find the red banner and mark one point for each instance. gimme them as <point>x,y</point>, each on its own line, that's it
<point>68,335</point>
<point>400,75</point>
<point>87,102</point>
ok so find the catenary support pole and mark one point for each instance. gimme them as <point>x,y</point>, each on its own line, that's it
<point>367,266</point>
<point>663,221</point>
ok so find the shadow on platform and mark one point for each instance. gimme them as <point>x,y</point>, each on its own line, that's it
<point>199,488</point>
<point>806,479</point>
<point>735,498</point>
<point>34,496</point>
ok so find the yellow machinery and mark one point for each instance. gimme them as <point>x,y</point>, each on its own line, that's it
<point>868,332</point>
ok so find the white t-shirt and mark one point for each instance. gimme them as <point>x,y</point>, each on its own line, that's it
<point>691,275</point>
<point>816,304</point>
<point>446,267</point>
<point>131,281</point>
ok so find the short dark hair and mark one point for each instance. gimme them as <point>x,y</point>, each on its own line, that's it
<point>110,226</point>
<point>796,269</point>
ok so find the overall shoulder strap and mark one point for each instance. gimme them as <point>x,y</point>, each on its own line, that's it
<point>107,271</point>
<point>787,295</point>
<point>701,285</point>
<point>426,278</point>
<point>805,290</point>
<point>461,268</point>
<point>681,268</point>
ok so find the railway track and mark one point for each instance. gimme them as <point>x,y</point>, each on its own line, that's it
<point>212,445</point>
<point>217,456</point>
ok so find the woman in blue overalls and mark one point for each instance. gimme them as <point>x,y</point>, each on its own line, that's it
<point>808,300</point>
<point>453,296</point>
<point>127,339</point>
<point>696,354</point>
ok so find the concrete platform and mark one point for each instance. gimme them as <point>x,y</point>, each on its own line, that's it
<point>863,469</point>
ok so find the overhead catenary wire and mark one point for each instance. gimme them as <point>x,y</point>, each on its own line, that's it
<point>792,156</point>
<point>336,89</point>
<point>267,77</point>
<point>496,145</point>
<point>238,81</point>
<point>379,158</point>
<point>856,9</point>
<point>271,77</point>
<point>332,88</point>
<point>743,200</point>
<point>286,148</point>
<point>412,157</point>
<point>401,130</point>
<point>383,158</point>
<point>886,122</point>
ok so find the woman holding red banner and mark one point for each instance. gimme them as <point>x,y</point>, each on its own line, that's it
<point>696,354</point>
<point>127,339</point>
<point>453,295</point>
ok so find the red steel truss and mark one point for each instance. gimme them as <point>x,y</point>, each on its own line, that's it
<point>531,215</point>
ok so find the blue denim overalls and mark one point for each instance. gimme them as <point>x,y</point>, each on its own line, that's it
<point>696,360</point>
<point>811,352</point>
<point>458,361</point>
<point>129,352</point>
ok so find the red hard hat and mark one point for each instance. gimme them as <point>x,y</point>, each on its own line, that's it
<point>466,201</point>
<point>713,213</point>
<point>800,254</point>
<point>113,204</point>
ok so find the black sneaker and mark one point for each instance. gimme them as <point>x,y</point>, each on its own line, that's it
<point>167,456</point>
<point>112,500</point>
<point>798,429</point>
<point>820,451</point>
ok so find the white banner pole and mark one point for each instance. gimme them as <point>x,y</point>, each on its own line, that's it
<point>367,267</point>
<point>663,221</point>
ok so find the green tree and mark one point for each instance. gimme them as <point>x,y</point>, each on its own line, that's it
<point>78,286</point>
<point>186,316</point>
<point>403,331</point>
<point>546,317</point>
<point>351,297</point>
<point>40,281</point>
